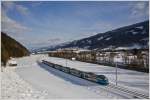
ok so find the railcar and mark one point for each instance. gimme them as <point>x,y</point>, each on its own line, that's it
<point>48,63</point>
<point>100,79</point>
<point>76,72</point>
<point>89,76</point>
<point>56,66</point>
<point>65,69</point>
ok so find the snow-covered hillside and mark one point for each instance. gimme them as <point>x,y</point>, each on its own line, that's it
<point>127,37</point>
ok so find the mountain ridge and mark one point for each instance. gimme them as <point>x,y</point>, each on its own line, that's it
<point>135,35</point>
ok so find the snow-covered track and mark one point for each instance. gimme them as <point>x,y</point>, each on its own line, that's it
<point>132,93</point>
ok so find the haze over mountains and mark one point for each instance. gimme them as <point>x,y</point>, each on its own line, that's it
<point>128,37</point>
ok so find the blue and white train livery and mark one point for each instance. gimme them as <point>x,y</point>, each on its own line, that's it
<point>100,79</point>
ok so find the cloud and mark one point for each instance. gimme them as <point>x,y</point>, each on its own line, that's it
<point>22,10</point>
<point>9,5</point>
<point>140,9</point>
<point>54,40</point>
<point>11,26</point>
<point>65,22</point>
<point>35,3</point>
<point>43,42</point>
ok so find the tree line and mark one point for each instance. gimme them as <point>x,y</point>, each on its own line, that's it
<point>135,59</point>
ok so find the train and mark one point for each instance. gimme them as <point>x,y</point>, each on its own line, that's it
<point>100,79</point>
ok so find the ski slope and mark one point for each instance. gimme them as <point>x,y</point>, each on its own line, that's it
<point>61,85</point>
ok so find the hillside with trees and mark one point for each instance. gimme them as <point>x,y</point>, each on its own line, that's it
<point>11,48</point>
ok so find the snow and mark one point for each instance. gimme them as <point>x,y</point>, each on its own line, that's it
<point>12,62</point>
<point>118,59</point>
<point>140,27</point>
<point>63,44</point>
<point>134,33</point>
<point>129,47</point>
<point>46,82</point>
<point>100,38</point>
<point>106,48</point>
<point>119,48</point>
<point>108,38</point>
<point>81,50</point>
<point>145,39</point>
<point>89,41</point>
<point>133,80</point>
<point>14,87</point>
<point>83,41</point>
<point>54,82</point>
<point>86,47</point>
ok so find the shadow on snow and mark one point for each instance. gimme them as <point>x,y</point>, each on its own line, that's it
<point>67,77</point>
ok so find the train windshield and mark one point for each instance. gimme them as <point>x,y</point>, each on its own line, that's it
<point>102,77</point>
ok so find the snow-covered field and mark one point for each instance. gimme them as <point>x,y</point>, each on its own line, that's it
<point>14,87</point>
<point>133,80</point>
<point>46,82</point>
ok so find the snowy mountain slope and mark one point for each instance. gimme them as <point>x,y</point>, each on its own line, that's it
<point>122,37</point>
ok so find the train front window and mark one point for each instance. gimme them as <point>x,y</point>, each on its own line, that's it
<point>101,77</point>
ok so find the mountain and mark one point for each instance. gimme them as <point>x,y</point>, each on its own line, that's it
<point>128,37</point>
<point>11,48</point>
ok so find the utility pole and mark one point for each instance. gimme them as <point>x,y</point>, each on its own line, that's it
<point>116,74</point>
<point>1,68</point>
<point>66,62</point>
<point>116,60</point>
<point>66,58</point>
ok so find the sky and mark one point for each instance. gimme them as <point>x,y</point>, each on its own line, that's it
<point>44,23</point>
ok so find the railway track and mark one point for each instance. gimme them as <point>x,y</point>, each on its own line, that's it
<point>125,91</point>
<point>134,94</point>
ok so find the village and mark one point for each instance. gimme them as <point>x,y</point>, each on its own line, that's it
<point>134,59</point>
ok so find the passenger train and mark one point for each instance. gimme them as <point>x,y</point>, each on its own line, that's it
<point>100,79</point>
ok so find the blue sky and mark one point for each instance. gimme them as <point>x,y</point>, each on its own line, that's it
<point>38,24</point>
